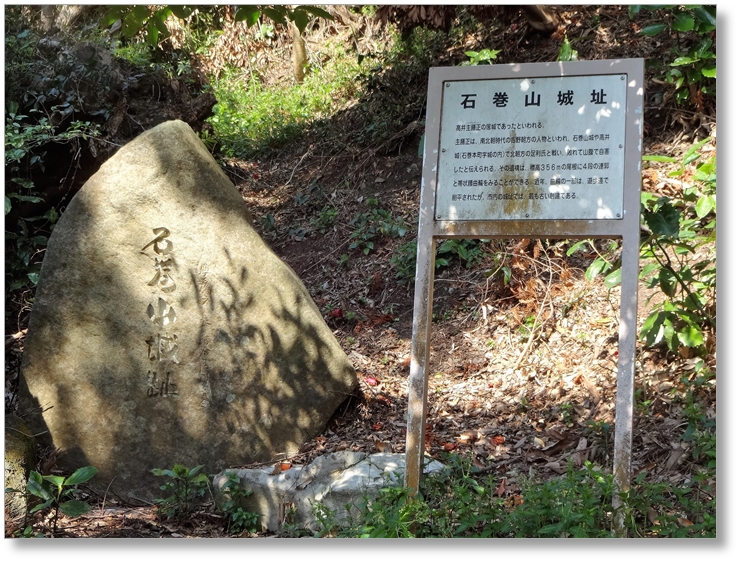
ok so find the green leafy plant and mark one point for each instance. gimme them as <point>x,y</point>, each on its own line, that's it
<point>150,20</point>
<point>28,237</point>
<point>694,67</point>
<point>268,222</point>
<point>485,56</point>
<point>28,533</point>
<point>577,505</point>
<point>326,219</point>
<point>186,485</point>
<point>252,117</point>
<point>566,413</point>
<point>376,222</point>
<point>459,501</point>
<point>54,490</point>
<point>567,52</point>
<point>403,260</point>
<point>661,509</point>
<point>467,252</point>
<point>391,513</point>
<point>678,249</point>
<point>600,433</point>
<point>528,326</point>
<point>239,519</point>
<point>249,116</point>
<point>677,232</point>
<point>604,263</point>
<point>463,501</point>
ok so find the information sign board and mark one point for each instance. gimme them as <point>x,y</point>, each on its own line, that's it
<point>543,150</point>
<point>532,148</point>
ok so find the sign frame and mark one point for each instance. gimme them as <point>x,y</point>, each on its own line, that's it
<point>626,227</point>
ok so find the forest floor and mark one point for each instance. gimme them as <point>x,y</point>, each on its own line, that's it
<point>522,374</point>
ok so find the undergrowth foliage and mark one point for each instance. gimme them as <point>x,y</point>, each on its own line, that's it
<point>58,494</point>
<point>678,253</point>
<point>463,502</point>
<point>238,518</point>
<point>377,222</point>
<point>185,485</point>
<point>678,232</point>
<point>692,30</point>
<point>46,88</point>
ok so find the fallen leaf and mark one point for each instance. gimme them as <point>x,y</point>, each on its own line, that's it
<point>377,426</point>
<point>381,319</point>
<point>501,490</point>
<point>498,440</point>
<point>559,446</point>
<point>684,522</point>
<point>513,501</point>
<point>676,455</point>
<point>653,516</point>
<point>450,446</point>
<point>555,467</point>
<point>468,435</point>
<point>555,434</point>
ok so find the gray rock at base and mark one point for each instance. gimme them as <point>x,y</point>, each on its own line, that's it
<point>20,459</point>
<point>334,481</point>
<point>166,331</point>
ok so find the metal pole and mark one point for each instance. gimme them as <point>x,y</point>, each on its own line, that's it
<point>417,411</point>
<point>625,375</point>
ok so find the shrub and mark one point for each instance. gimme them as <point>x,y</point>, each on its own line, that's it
<point>54,489</point>
<point>186,486</point>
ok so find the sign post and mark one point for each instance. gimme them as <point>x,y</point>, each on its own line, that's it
<point>543,150</point>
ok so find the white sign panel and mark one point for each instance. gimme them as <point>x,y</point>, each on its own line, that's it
<point>532,148</point>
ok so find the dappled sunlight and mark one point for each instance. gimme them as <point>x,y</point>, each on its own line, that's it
<point>191,348</point>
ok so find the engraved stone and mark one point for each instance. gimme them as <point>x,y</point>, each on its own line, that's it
<point>166,331</point>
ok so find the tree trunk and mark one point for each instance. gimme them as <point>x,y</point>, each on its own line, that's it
<point>300,58</point>
<point>541,18</point>
<point>55,17</point>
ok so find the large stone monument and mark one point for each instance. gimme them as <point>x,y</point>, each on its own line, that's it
<point>165,331</point>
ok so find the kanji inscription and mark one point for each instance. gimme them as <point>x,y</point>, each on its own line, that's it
<point>527,149</point>
<point>162,345</point>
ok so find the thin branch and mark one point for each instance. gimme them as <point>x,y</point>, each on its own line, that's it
<point>686,289</point>
<point>535,327</point>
